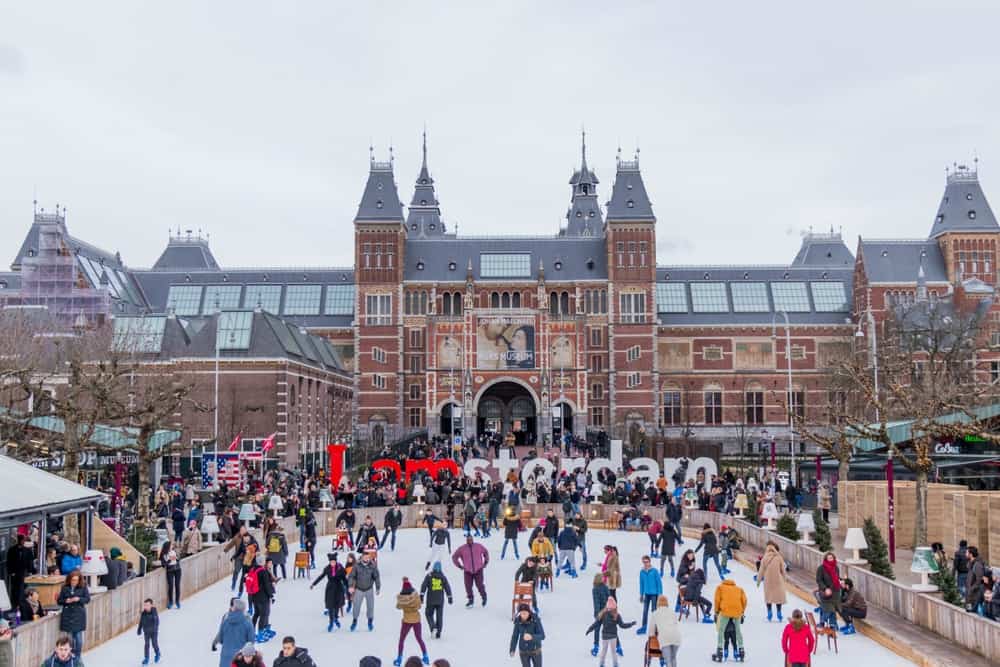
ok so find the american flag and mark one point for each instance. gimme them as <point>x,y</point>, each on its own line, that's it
<point>228,469</point>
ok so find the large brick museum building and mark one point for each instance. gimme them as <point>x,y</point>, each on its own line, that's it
<point>575,330</point>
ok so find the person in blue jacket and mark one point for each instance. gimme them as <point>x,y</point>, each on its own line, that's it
<point>234,633</point>
<point>650,589</point>
<point>527,637</point>
<point>567,542</point>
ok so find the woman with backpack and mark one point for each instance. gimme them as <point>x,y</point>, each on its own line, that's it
<point>277,550</point>
<point>260,588</point>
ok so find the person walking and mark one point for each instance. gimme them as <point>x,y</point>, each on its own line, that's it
<point>149,627</point>
<point>961,562</point>
<point>772,574</point>
<point>797,641</point>
<point>238,545</point>
<point>608,622</point>
<point>393,520</point>
<point>567,543</point>
<point>367,531</point>
<point>674,514</point>
<point>260,589</point>
<point>650,590</point>
<point>975,587</point>
<point>828,592</point>
<point>235,632</point>
<point>63,655</point>
<point>292,655</point>
<point>527,637</point>
<point>433,591</point>
<point>668,542</point>
<point>511,528</point>
<point>335,591</point>
<point>611,569</point>
<point>730,605</point>
<point>276,547</point>
<point>710,541</point>
<point>667,632</point>
<point>580,524</point>
<point>655,533</point>
<point>599,595</point>
<point>363,584</point>
<point>527,573</point>
<point>408,601</point>
<point>171,563</point>
<point>440,544</point>
<point>74,598</point>
<point>472,558</point>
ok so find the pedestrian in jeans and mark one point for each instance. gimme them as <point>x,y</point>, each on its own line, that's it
<point>961,561</point>
<point>527,637</point>
<point>170,561</point>
<point>664,627</point>
<point>650,590</point>
<point>73,598</point>
<point>710,541</point>
<point>607,623</point>
<point>149,627</point>
<point>511,527</point>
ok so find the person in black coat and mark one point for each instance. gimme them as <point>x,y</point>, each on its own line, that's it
<point>692,592</point>
<point>171,563</point>
<point>668,541</point>
<point>179,520</point>
<point>73,598</point>
<point>149,623</point>
<point>527,573</point>
<point>551,530</point>
<point>433,591</point>
<point>710,541</point>
<point>347,516</point>
<point>336,589</point>
<point>365,532</point>
<point>20,563</point>
<point>393,520</point>
<point>261,598</point>
<point>527,637</point>
<point>674,514</point>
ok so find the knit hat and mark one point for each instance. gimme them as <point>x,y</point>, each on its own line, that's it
<point>248,651</point>
<point>437,566</point>
<point>407,587</point>
<point>331,556</point>
<point>523,607</point>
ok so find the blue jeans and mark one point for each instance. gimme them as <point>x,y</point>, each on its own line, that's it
<point>704,563</point>
<point>583,548</point>
<point>648,601</point>
<point>76,639</point>
<point>960,578</point>
<point>513,541</point>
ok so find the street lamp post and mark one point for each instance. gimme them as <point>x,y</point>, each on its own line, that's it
<point>791,407</point>
<point>889,470</point>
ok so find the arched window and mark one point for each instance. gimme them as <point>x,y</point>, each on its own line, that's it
<point>495,300</point>
<point>457,303</point>
<point>604,301</point>
<point>423,303</point>
<point>553,304</point>
<point>505,300</point>
<point>446,304</point>
<point>516,300</point>
<point>564,303</point>
<point>407,307</point>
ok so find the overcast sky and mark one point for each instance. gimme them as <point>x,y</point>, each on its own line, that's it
<point>252,120</point>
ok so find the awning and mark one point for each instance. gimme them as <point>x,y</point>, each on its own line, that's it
<point>901,431</point>
<point>30,493</point>
<point>108,437</point>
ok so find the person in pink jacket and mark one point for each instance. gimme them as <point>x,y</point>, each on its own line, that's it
<point>472,558</point>
<point>797,641</point>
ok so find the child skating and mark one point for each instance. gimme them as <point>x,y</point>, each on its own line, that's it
<point>149,626</point>
<point>607,623</point>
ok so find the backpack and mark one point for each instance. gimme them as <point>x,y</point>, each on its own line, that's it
<point>252,583</point>
<point>274,545</point>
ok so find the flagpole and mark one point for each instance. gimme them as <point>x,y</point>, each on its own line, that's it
<point>215,480</point>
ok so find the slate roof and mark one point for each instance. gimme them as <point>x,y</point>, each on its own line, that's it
<point>899,260</point>
<point>186,253</point>
<point>423,217</point>
<point>380,200</point>
<point>629,200</point>
<point>580,258</point>
<point>10,280</point>
<point>963,206</point>
<point>823,250</point>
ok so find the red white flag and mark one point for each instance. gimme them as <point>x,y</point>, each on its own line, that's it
<point>268,443</point>
<point>235,444</point>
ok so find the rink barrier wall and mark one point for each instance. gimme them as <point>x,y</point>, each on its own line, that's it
<point>113,612</point>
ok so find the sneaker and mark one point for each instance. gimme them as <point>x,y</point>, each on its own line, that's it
<point>618,650</point>
<point>425,659</point>
<point>354,625</point>
<point>641,631</point>
<point>398,661</point>
<point>371,624</point>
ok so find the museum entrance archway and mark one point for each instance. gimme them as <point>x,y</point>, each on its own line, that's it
<point>562,421</point>
<point>508,407</point>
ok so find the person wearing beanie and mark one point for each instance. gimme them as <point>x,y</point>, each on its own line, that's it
<point>433,591</point>
<point>608,622</point>
<point>260,588</point>
<point>408,601</point>
<point>527,637</point>
<point>235,631</point>
<point>663,625</point>
<point>336,590</point>
<point>248,656</point>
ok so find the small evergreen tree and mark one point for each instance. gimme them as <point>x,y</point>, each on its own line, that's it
<point>824,541</point>
<point>787,527</point>
<point>752,509</point>
<point>945,581</point>
<point>877,553</point>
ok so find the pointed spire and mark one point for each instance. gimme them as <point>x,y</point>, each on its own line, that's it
<point>424,216</point>
<point>921,282</point>
<point>425,148</point>
<point>583,149</point>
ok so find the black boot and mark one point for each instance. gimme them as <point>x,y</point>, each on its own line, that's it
<point>717,656</point>
<point>741,654</point>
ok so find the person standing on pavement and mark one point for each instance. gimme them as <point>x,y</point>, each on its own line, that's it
<point>73,598</point>
<point>472,558</point>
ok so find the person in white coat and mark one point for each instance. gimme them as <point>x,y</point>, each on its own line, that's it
<point>663,625</point>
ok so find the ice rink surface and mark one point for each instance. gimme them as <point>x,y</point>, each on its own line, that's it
<point>477,636</point>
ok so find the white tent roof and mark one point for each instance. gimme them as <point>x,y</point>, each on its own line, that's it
<point>27,492</point>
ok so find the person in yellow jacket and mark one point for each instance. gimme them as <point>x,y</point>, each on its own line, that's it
<point>730,606</point>
<point>542,547</point>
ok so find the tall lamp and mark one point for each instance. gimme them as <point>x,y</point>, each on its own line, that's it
<point>856,542</point>
<point>805,525</point>
<point>94,566</point>
<point>741,505</point>
<point>5,598</point>
<point>210,526</point>
<point>770,513</point>
<point>247,514</point>
<point>924,565</point>
<point>325,499</point>
<point>274,504</point>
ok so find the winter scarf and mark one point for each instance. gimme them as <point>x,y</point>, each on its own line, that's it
<point>831,569</point>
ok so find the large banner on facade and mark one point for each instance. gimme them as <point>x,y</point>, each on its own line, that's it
<point>505,342</point>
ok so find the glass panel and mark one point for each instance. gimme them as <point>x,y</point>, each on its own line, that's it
<point>750,298</point>
<point>221,297</point>
<point>829,297</point>
<point>268,297</point>
<point>234,330</point>
<point>184,299</point>
<point>496,265</point>
<point>302,299</point>
<point>116,287</point>
<point>340,300</point>
<point>790,297</point>
<point>88,268</point>
<point>671,298</point>
<point>138,334</point>
<point>709,298</point>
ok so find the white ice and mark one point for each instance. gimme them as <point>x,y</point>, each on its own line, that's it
<point>477,636</point>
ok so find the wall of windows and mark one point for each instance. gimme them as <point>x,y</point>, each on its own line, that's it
<point>378,309</point>
<point>302,299</point>
<point>632,307</point>
<point>505,265</point>
<point>184,300</point>
<point>339,300</point>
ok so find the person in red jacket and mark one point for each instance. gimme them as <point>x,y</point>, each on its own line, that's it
<point>797,641</point>
<point>472,558</point>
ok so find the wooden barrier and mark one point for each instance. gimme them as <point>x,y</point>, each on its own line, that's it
<point>114,612</point>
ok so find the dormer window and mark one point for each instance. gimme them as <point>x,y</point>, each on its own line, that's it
<point>413,226</point>
<point>431,226</point>
<point>420,265</point>
<point>579,214</point>
<point>423,181</point>
<point>630,203</point>
<point>972,215</point>
<point>968,195</point>
<point>940,218</point>
<point>378,204</point>
<point>423,202</point>
<point>585,189</point>
<point>591,214</point>
<point>452,266</point>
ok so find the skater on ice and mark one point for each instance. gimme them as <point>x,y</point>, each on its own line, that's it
<point>433,591</point>
<point>408,601</point>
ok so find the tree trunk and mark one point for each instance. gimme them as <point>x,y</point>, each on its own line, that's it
<point>843,469</point>
<point>142,493</point>
<point>71,471</point>
<point>920,520</point>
